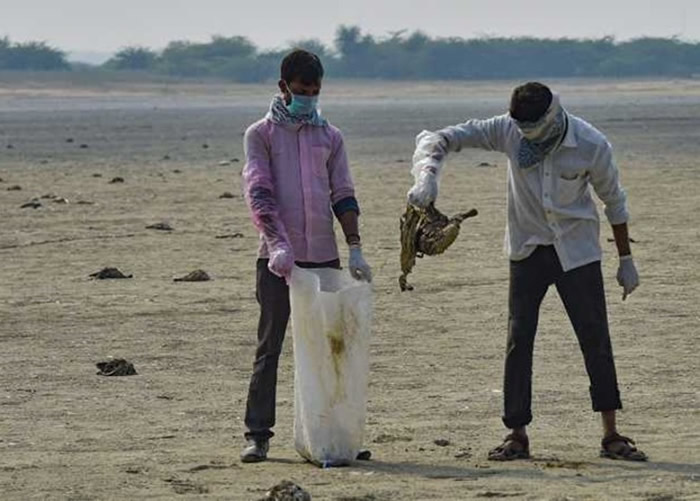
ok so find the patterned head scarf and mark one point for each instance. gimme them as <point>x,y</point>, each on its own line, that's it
<point>280,114</point>
<point>542,137</point>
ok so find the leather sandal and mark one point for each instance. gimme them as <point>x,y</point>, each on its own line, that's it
<point>627,453</point>
<point>509,450</point>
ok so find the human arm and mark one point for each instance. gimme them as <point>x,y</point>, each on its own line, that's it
<point>260,196</point>
<point>432,149</point>
<point>604,177</point>
<point>347,209</point>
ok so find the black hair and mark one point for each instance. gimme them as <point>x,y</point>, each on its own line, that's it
<point>530,101</point>
<point>301,65</point>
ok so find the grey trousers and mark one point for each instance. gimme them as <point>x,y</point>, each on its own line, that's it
<point>272,294</point>
<point>581,290</point>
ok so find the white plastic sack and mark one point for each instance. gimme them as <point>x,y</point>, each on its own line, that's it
<point>331,325</point>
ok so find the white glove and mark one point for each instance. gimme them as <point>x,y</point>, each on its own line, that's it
<point>359,269</point>
<point>425,190</point>
<point>627,276</point>
<point>281,262</point>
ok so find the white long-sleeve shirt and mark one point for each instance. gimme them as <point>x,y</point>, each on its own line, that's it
<point>551,203</point>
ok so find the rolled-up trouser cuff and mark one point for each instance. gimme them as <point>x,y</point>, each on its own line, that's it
<point>605,402</point>
<point>512,422</point>
<point>259,434</point>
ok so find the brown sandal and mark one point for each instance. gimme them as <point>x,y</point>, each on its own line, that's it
<point>508,450</point>
<point>627,453</point>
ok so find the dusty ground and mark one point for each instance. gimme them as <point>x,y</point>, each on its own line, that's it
<point>174,431</point>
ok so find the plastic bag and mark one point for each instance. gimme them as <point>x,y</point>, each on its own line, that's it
<point>428,161</point>
<point>331,326</point>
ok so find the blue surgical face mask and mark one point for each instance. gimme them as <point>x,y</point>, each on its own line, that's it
<point>303,105</point>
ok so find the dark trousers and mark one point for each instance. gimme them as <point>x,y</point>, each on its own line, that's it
<point>581,291</point>
<point>272,293</point>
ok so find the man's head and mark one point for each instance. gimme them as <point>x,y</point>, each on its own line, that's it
<point>529,102</point>
<point>301,74</point>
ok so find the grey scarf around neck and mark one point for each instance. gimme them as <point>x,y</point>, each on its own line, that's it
<point>280,114</point>
<point>542,137</point>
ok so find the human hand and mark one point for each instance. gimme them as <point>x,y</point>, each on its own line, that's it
<point>425,190</point>
<point>281,262</point>
<point>627,276</point>
<point>359,269</point>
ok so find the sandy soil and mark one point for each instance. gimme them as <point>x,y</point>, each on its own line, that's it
<point>174,431</point>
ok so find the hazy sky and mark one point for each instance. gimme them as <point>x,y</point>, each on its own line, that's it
<point>106,25</point>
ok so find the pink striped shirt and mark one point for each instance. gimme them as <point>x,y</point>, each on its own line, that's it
<point>306,168</point>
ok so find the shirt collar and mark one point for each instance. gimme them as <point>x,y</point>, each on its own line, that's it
<point>570,138</point>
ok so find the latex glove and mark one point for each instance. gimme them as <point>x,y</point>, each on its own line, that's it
<point>359,269</point>
<point>627,276</point>
<point>281,262</point>
<point>425,190</point>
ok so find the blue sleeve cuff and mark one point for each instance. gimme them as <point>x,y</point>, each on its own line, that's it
<point>345,205</point>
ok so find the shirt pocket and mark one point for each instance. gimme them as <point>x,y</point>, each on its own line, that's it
<point>319,161</point>
<point>572,186</point>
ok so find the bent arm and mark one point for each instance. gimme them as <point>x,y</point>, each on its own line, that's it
<point>260,193</point>
<point>487,134</point>
<point>345,205</point>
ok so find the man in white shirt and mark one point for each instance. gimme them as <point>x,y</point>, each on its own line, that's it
<point>552,237</point>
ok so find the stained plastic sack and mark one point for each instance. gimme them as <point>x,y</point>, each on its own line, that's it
<point>331,325</point>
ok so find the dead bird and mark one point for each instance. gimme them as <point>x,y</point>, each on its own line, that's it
<point>286,491</point>
<point>160,227</point>
<point>195,276</point>
<point>34,203</point>
<point>116,367</point>
<point>108,272</point>
<point>426,232</point>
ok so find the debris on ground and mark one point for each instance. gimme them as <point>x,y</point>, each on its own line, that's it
<point>32,204</point>
<point>116,367</point>
<point>426,232</point>
<point>117,179</point>
<point>441,442</point>
<point>60,200</point>
<point>195,276</point>
<point>227,194</point>
<point>84,146</point>
<point>85,202</point>
<point>286,491</point>
<point>97,174</point>
<point>181,486</point>
<point>632,240</point>
<point>224,163</point>
<point>14,187</point>
<point>108,272</point>
<point>485,164</point>
<point>230,235</point>
<point>160,227</point>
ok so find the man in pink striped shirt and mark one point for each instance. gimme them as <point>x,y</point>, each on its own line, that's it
<point>296,179</point>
